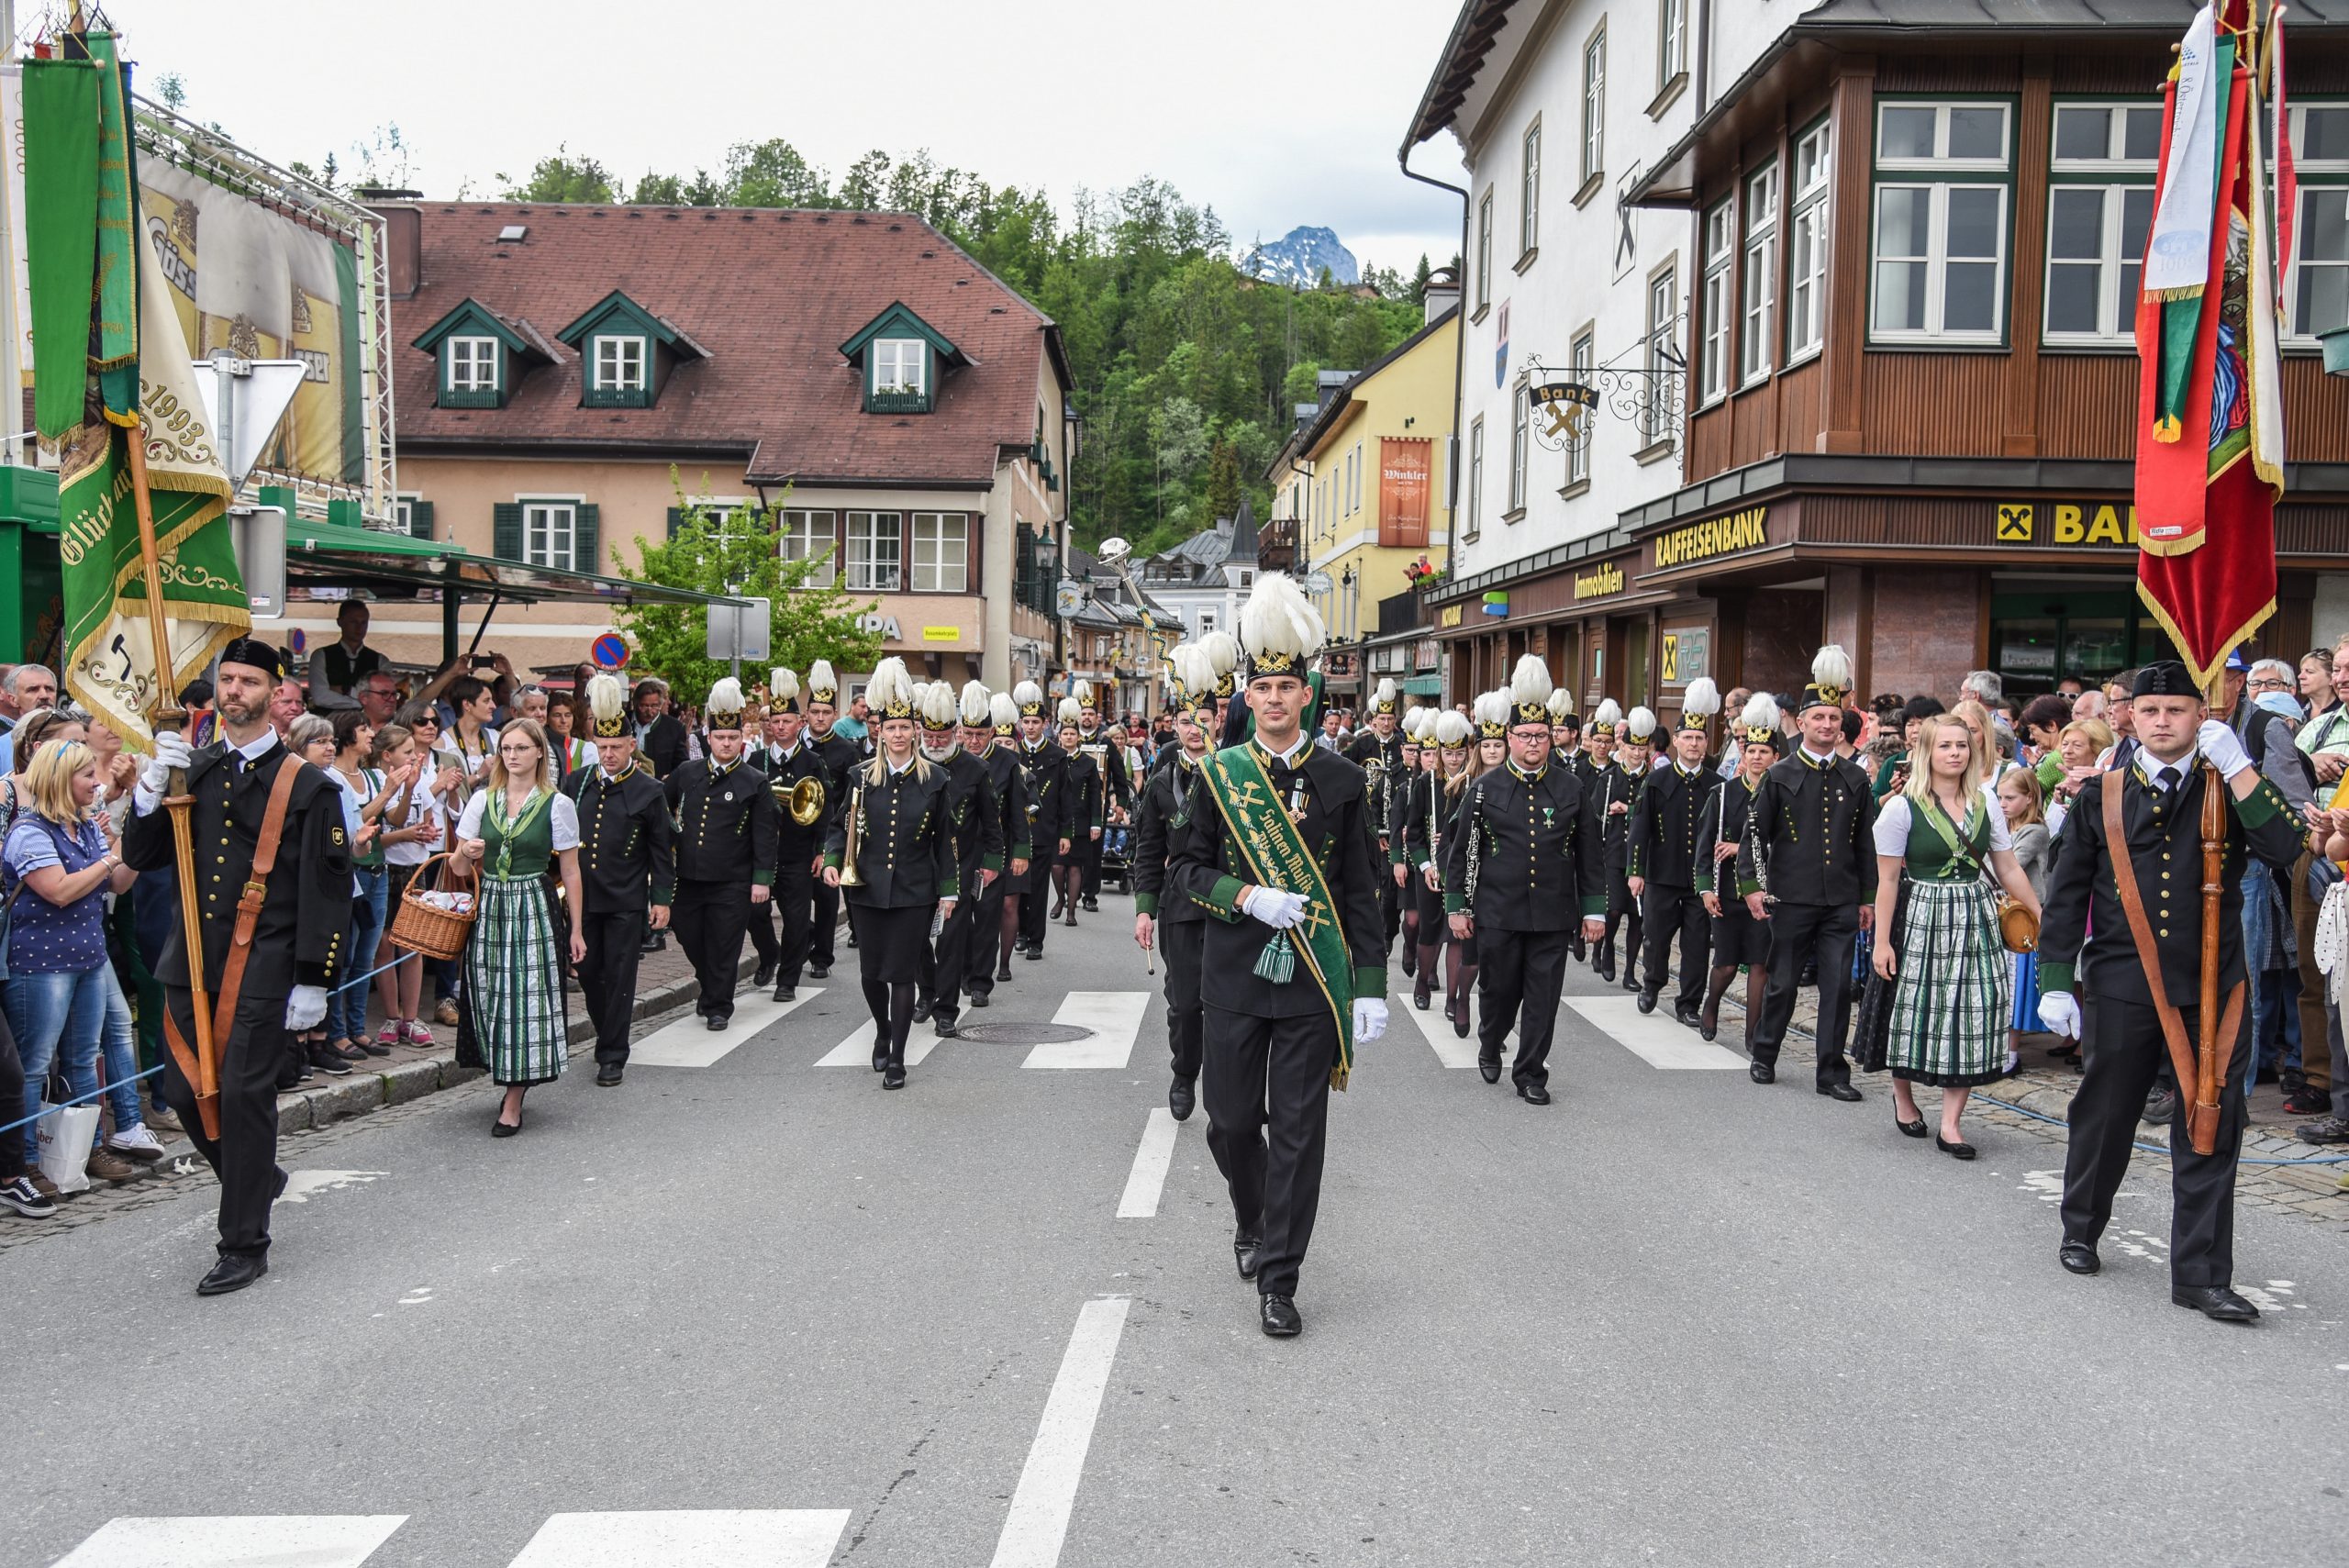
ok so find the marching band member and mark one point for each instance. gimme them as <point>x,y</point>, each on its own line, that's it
<point>1808,867</point>
<point>1047,767</point>
<point>627,869</point>
<point>1426,810</point>
<point>991,736</point>
<point>977,829</point>
<point>1177,925</point>
<point>1566,751</point>
<point>839,756</point>
<point>1378,751</point>
<point>1108,750</point>
<point>1277,843</point>
<point>1084,797</point>
<point>1418,749</point>
<point>1607,799</point>
<point>1738,938</point>
<point>795,774</point>
<point>1665,825</point>
<point>892,848</point>
<point>1489,751</point>
<point>1516,822</point>
<point>727,836</point>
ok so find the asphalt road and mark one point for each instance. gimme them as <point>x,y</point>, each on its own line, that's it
<point>759,1312</point>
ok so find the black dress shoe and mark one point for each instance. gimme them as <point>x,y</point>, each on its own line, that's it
<point>894,1078</point>
<point>851,936</point>
<point>1533,1094</point>
<point>1605,965</point>
<point>1909,1128</point>
<point>1182,1098</point>
<point>1034,952</point>
<point>231,1274</point>
<point>1959,1151</point>
<point>718,1022</point>
<point>881,1054</point>
<point>1490,1067</point>
<point>1278,1315</point>
<point>1688,1017</point>
<point>1647,1000</point>
<point>503,1128</point>
<point>787,994</point>
<point>1762,1073</point>
<point>1630,981</point>
<point>1844,1092</point>
<point>1709,1027</point>
<point>1092,905</point>
<point>819,972</point>
<point>945,1030</point>
<point>278,1191</point>
<point>2213,1301</point>
<point>1003,969</point>
<point>1420,993</point>
<point>2080,1258</point>
<point>764,978</point>
<point>607,1076</point>
<point>922,1011</point>
<point>978,998</point>
<point>1244,1253</point>
<point>1460,1020</point>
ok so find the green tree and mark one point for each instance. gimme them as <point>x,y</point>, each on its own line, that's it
<point>560,177</point>
<point>1223,479</point>
<point>719,551</point>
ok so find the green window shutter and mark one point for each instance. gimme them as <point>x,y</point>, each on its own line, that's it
<point>585,534</point>
<point>676,520</point>
<point>419,519</point>
<point>505,530</point>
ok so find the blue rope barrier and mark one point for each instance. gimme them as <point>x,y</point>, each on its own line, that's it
<point>27,1121</point>
<point>2163,1148</point>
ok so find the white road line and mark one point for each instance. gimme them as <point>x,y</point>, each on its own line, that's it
<point>856,1050</point>
<point>1148,1178</point>
<point>688,1042</point>
<point>712,1538</point>
<point>1114,1018</point>
<point>1656,1038</point>
<point>1451,1050</point>
<point>314,1541</point>
<point>1038,1522</point>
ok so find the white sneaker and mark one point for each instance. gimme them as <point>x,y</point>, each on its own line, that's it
<point>137,1144</point>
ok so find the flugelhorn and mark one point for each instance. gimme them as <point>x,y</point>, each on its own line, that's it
<point>852,839</point>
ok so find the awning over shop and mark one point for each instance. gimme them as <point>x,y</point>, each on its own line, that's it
<point>1423,686</point>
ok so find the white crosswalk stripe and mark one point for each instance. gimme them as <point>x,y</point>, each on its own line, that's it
<point>1148,1178</point>
<point>1114,1017</point>
<point>714,1538</point>
<point>314,1541</point>
<point>1657,1038</point>
<point>689,1042</point>
<point>1451,1050</point>
<point>856,1050</point>
<point>1036,1524</point>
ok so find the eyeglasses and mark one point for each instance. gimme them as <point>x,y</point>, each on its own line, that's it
<point>2270,684</point>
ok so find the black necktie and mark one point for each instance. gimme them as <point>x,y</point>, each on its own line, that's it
<point>2168,778</point>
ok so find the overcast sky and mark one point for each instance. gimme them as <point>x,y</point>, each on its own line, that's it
<point>1277,112</point>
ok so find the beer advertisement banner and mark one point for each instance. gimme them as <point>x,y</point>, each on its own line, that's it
<point>1405,470</point>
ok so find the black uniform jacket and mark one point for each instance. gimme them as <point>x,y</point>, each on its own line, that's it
<point>1723,821</point>
<point>1537,867</point>
<point>1164,800</point>
<point>1386,783</point>
<point>905,851</point>
<point>1083,803</point>
<point>1203,865</point>
<point>304,915</point>
<point>1047,767</point>
<point>973,816</point>
<point>1428,809</point>
<point>1667,820</point>
<point>1809,835</point>
<point>725,823</point>
<point>1108,750</point>
<point>795,845</point>
<point>663,746</point>
<point>840,755</point>
<point>1602,790</point>
<point>2166,846</point>
<point>626,849</point>
<point>1015,803</point>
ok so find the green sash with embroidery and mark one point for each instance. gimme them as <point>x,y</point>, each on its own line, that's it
<point>1267,837</point>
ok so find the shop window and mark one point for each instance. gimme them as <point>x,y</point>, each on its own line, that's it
<point>1808,242</point>
<point>1758,282</point>
<point>809,536</point>
<point>1713,352</point>
<point>1944,174</point>
<point>2099,207</point>
<point>2319,292</point>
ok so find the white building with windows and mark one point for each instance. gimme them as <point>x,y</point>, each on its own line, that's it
<point>1203,581</point>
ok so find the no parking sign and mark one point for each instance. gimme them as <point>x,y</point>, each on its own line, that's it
<point>609,651</point>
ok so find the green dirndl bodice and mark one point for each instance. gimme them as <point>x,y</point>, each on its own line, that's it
<point>513,965</point>
<point>1951,1013</point>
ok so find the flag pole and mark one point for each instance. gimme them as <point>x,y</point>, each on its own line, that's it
<point>167,710</point>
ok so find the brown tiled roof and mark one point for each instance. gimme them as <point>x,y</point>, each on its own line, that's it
<point>772,294</point>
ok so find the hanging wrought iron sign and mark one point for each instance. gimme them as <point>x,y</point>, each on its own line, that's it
<point>1650,398</point>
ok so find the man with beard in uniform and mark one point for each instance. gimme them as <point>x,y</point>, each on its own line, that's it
<point>989,731</point>
<point>1378,751</point>
<point>788,760</point>
<point>973,817</point>
<point>1047,767</point>
<point>1107,748</point>
<point>726,852</point>
<point>627,868</point>
<point>282,964</point>
<point>839,756</point>
<point>1670,817</point>
<point>1176,926</point>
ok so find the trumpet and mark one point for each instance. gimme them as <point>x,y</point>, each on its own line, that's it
<point>804,800</point>
<point>854,841</point>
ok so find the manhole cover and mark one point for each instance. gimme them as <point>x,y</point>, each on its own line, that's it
<point>1023,1034</point>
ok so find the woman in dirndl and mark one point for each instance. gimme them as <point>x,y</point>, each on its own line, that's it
<point>1951,1010</point>
<point>516,829</point>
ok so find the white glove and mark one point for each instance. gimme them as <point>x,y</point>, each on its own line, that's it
<point>1276,907</point>
<point>170,751</point>
<point>306,1007</point>
<point>1370,1020</point>
<point>2060,1014</point>
<point>2222,747</point>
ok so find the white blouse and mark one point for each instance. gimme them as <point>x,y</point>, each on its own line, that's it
<point>1893,819</point>
<point>564,814</point>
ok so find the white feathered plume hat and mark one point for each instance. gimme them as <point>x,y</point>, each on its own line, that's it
<point>1222,650</point>
<point>978,706</point>
<point>1698,703</point>
<point>723,708</point>
<point>1071,710</point>
<point>1029,697</point>
<point>936,705</point>
<point>890,693</point>
<point>1830,679</point>
<point>1384,698</point>
<point>1561,707</point>
<point>1083,693</point>
<point>1005,712</point>
<point>1279,627</point>
<point>1492,716</point>
<point>1758,725</point>
<point>1640,726</point>
<point>1415,725</point>
<point>607,706</point>
<point>1453,729</point>
<point>1179,682</point>
<point>824,686</point>
<point>1606,720</point>
<point>1195,676</point>
<point>783,690</point>
<point>1529,692</point>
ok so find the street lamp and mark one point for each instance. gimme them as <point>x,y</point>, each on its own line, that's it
<point>1047,564</point>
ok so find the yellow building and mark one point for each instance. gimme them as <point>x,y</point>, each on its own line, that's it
<point>1365,482</point>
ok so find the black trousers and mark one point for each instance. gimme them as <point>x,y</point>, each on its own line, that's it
<point>945,967</point>
<point>1182,947</point>
<point>709,918</point>
<point>793,899</point>
<point>1268,1097</point>
<point>1798,933</point>
<point>763,937</point>
<point>824,925</point>
<point>245,1154</point>
<point>615,938</point>
<point>1664,911</point>
<point>2124,1051</point>
<point>12,1102</point>
<point>986,934</point>
<point>1521,973</point>
<point>1088,852</point>
<point>1036,903</point>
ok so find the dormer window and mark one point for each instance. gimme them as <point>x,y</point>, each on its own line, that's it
<point>902,360</point>
<point>472,364</point>
<point>620,365</point>
<point>482,356</point>
<point>900,365</point>
<point>627,354</point>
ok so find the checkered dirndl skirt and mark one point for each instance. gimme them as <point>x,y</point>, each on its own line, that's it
<point>513,991</point>
<point>1950,1016</point>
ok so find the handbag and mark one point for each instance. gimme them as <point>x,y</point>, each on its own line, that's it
<point>62,1141</point>
<point>2018,926</point>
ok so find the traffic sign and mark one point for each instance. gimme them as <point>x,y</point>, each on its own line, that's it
<point>610,651</point>
<point>298,640</point>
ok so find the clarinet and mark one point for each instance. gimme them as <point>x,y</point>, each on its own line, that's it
<point>1475,808</point>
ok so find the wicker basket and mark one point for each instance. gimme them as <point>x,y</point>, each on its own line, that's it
<point>420,928</point>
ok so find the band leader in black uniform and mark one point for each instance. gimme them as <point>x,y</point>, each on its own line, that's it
<point>801,786</point>
<point>1047,767</point>
<point>239,781</point>
<point>1808,867</point>
<point>726,852</point>
<point>628,867</point>
<point>1272,1049</point>
<point>974,818</point>
<point>993,739</point>
<point>2161,813</point>
<point>841,757</point>
<point>1517,822</point>
<point>1666,824</point>
<point>1738,939</point>
<point>893,850</point>
<point>1174,925</point>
